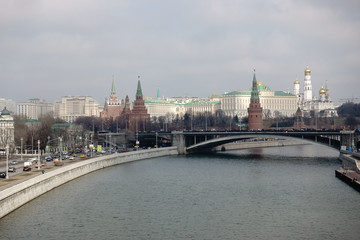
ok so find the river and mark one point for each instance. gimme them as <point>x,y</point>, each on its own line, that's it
<point>273,193</point>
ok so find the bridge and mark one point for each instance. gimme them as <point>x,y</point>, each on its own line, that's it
<point>207,141</point>
<point>201,141</point>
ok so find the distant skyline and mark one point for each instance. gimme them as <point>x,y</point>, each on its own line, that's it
<point>50,49</point>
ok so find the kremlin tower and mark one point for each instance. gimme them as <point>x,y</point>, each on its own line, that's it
<point>255,110</point>
<point>112,108</point>
<point>139,117</point>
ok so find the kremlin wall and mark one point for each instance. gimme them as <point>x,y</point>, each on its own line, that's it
<point>258,102</point>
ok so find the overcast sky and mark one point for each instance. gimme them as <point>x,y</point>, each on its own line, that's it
<point>50,49</point>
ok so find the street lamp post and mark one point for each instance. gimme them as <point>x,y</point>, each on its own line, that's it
<point>60,140</point>
<point>156,134</point>
<point>39,162</point>
<point>21,153</point>
<point>7,161</point>
<point>48,144</point>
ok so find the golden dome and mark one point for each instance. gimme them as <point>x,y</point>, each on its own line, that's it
<point>297,81</point>
<point>322,90</point>
<point>307,70</point>
<point>260,83</point>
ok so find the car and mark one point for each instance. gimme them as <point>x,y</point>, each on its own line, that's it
<point>14,162</point>
<point>2,174</point>
<point>12,169</point>
<point>71,158</point>
<point>26,169</point>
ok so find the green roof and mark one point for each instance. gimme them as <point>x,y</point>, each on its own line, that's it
<point>5,111</point>
<point>263,88</point>
<point>61,125</point>
<point>113,86</point>
<point>283,94</point>
<point>163,101</point>
<point>202,102</point>
<point>32,120</point>
<point>245,92</point>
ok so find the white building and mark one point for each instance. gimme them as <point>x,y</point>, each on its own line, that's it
<point>311,105</point>
<point>34,108</point>
<point>179,106</point>
<point>273,102</point>
<point>73,107</point>
<point>6,130</point>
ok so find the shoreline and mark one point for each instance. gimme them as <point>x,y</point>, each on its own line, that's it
<point>20,192</point>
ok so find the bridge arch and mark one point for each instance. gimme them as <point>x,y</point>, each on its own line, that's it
<point>209,145</point>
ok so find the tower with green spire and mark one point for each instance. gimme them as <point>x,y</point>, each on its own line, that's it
<point>139,117</point>
<point>255,110</point>
<point>158,94</point>
<point>113,96</point>
<point>112,108</point>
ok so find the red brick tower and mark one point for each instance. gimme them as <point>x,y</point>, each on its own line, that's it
<point>299,120</point>
<point>112,108</point>
<point>255,110</point>
<point>139,118</point>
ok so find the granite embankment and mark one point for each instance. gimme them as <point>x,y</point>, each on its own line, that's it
<point>19,194</point>
<point>350,172</point>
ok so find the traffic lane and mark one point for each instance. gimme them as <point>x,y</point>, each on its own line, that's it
<point>20,165</point>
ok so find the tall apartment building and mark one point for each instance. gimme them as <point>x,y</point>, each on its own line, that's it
<point>72,107</point>
<point>34,108</point>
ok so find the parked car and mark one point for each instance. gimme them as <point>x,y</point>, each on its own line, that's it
<point>2,174</point>
<point>26,169</point>
<point>71,158</point>
<point>12,169</point>
<point>14,162</point>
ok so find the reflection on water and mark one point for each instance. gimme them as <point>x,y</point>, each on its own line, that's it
<point>272,193</point>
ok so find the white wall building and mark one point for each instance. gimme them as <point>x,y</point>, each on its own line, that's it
<point>311,105</point>
<point>34,108</point>
<point>6,131</point>
<point>72,107</point>
<point>273,102</point>
<point>179,106</point>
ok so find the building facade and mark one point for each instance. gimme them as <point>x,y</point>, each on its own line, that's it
<point>7,133</point>
<point>310,104</point>
<point>72,107</point>
<point>274,103</point>
<point>34,108</point>
<point>179,106</point>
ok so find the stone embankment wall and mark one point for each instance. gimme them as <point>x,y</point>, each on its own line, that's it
<point>349,162</point>
<point>15,196</point>
<point>258,144</point>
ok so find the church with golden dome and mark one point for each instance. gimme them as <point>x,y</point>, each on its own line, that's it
<point>312,105</point>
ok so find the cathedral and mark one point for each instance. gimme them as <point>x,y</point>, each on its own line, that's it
<point>310,105</point>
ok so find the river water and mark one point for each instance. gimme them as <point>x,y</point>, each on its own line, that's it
<point>274,193</point>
